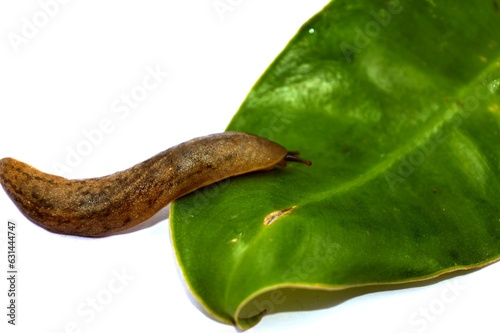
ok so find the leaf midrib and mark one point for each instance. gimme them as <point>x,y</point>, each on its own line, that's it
<point>416,141</point>
<point>379,169</point>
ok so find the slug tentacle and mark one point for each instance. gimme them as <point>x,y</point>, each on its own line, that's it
<point>293,156</point>
<point>97,207</point>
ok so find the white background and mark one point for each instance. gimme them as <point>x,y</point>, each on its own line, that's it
<point>69,75</point>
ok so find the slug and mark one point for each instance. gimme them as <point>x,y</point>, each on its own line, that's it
<point>96,207</point>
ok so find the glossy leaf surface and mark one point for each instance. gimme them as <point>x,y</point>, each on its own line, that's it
<point>397,104</point>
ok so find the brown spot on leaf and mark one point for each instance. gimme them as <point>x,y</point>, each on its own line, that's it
<point>272,217</point>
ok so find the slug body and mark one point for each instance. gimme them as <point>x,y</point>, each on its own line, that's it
<point>97,207</point>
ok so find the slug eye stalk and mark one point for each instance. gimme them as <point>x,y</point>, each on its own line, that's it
<point>98,207</point>
<point>293,156</point>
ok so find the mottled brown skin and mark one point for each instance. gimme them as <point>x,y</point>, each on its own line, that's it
<point>97,207</point>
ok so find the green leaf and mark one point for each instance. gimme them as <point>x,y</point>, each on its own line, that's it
<point>397,104</point>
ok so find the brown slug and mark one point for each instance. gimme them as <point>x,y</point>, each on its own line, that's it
<point>97,207</point>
